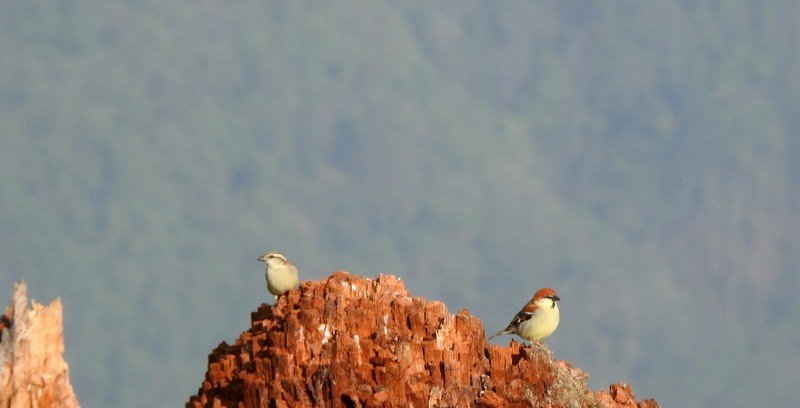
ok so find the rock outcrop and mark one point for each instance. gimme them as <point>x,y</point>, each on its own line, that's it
<point>33,372</point>
<point>349,341</point>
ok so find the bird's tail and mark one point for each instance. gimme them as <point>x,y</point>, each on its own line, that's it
<point>501,332</point>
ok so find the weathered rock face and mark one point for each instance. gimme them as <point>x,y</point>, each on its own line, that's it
<point>33,372</point>
<point>349,342</point>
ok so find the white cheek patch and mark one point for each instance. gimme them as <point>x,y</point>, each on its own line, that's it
<point>546,302</point>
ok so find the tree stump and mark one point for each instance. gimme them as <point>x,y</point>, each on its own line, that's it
<point>33,372</point>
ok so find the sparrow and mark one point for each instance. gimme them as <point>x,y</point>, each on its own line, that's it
<point>537,319</point>
<point>281,274</point>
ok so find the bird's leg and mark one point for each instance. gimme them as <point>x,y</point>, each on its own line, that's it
<point>539,345</point>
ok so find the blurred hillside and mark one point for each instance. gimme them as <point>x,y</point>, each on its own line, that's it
<point>152,150</point>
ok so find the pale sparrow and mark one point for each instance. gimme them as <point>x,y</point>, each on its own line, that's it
<point>281,274</point>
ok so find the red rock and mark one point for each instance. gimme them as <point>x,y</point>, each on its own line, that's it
<point>621,395</point>
<point>352,341</point>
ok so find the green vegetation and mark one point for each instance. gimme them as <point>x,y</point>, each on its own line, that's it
<point>642,159</point>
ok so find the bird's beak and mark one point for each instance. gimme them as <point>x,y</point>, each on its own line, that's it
<point>262,259</point>
<point>556,298</point>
